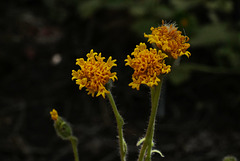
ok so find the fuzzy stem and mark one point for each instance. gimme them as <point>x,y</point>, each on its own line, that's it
<point>74,142</point>
<point>148,143</point>
<point>120,123</point>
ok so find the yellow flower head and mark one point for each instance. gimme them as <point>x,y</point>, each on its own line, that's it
<point>94,73</point>
<point>168,39</point>
<point>148,65</point>
<point>54,114</point>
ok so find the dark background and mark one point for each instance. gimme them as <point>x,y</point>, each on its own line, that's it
<point>40,40</point>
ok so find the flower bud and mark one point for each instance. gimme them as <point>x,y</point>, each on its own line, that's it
<point>62,128</point>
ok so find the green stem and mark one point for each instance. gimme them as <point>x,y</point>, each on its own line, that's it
<point>120,123</point>
<point>74,142</point>
<point>148,143</point>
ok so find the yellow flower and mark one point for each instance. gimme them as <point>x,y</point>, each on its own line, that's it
<point>148,65</point>
<point>168,39</point>
<point>54,114</point>
<point>94,73</point>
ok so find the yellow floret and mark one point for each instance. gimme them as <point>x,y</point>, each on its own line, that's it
<point>168,39</point>
<point>94,73</point>
<point>148,65</point>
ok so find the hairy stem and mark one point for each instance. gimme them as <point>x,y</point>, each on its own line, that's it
<point>146,148</point>
<point>74,142</point>
<point>120,123</point>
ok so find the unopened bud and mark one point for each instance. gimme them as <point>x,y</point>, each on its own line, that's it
<point>62,128</point>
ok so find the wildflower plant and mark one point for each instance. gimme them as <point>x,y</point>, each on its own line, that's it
<point>96,76</point>
<point>150,66</point>
<point>64,131</point>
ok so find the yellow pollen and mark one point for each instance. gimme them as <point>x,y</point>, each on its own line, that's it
<point>94,73</point>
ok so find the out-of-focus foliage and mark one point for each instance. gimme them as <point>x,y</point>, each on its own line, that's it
<point>229,158</point>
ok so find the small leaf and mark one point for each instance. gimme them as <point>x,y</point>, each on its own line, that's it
<point>157,151</point>
<point>140,141</point>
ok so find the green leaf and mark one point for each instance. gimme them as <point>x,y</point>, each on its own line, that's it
<point>157,151</point>
<point>140,141</point>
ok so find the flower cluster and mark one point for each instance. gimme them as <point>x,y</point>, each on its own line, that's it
<point>94,73</point>
<point>147,65</point>
<point>168,39</point>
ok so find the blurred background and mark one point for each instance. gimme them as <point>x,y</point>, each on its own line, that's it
<point>198,119</point>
